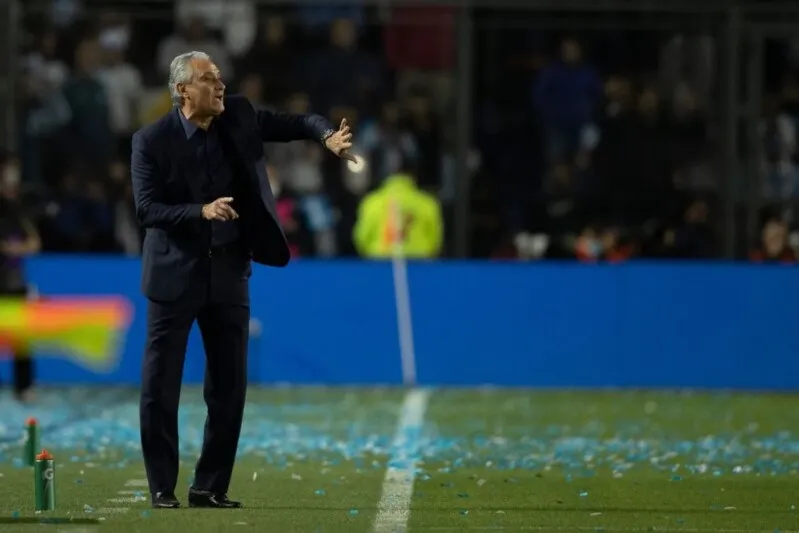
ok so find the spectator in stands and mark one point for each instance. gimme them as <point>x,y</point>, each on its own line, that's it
<point>614,250</point>
<point>115,31</point>
<point>689,141</point>
<point>773,244</point>
<point>650,164</point>
<point>343,75</point>
<point>587,245</point>
<point>252,86</point>
<point>605,244</point>
<point>420,46</point>
<point>290,215</point>
<point>274,57</point>
<point>43,62</point>
<point>384,142</point>
<point>193,34</point>
<point>566,96</point>
<point>42,113</point>
<point>90,136</point>
<point>424,124</point>
<point>778,134</point>
<point>18,239</point>
<point>562,208</point>
<point>234,20</point>
<point>692,237</point>
<point>85,218</point>
<point>608,160</point>
<point>123,87</point>
<point>634,161</point>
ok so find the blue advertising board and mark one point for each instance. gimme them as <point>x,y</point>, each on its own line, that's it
<point>505,324</point>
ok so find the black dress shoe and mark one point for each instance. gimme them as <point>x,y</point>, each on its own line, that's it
<point>203,498</point>
<point>165,500</point>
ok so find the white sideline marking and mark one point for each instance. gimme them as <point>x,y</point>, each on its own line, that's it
<point>394,508</point>
<point>136,483</point>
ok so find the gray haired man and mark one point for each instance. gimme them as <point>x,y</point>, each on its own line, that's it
<point>203,196</point>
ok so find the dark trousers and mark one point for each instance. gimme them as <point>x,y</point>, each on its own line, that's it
<point>22,361</point>
<point>221,308</point>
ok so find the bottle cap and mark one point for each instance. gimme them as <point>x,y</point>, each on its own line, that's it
<point>44,456</point>
<point>31,422</point>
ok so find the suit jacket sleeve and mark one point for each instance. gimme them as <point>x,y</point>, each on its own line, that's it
<point>284,127</point>
<point>148,192</point>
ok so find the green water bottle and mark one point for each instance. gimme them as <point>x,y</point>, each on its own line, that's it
<point>31,441</point>
<point>44,479</point>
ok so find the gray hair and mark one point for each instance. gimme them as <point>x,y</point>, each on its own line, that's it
<point>180,71</point>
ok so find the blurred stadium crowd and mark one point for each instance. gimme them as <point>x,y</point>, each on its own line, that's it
<point>591,146</point>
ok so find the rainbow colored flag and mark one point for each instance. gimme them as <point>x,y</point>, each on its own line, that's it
<point>88,331</point>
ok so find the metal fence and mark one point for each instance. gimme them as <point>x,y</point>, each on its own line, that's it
<point>709,56</point>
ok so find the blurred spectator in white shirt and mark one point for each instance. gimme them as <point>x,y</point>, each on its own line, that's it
<point>236,20</point>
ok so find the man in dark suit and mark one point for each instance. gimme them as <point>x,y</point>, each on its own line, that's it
<point>203,196</point>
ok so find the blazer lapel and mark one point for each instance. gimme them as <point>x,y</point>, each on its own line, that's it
<point>188,166</point>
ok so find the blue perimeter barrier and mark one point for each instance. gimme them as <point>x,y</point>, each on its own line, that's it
<point>507,324</point>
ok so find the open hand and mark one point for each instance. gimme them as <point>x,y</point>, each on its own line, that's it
<point>341,141</point>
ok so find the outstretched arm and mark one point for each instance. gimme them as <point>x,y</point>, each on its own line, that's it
<point>148,192</point>
<point>285,127</point>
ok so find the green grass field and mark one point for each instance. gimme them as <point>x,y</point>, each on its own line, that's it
<point>359,460</point>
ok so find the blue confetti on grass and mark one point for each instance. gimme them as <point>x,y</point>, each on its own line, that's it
<point>102,426</point>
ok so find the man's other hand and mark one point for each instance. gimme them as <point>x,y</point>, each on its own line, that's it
<point>220,209</point>
<point>340,141</point>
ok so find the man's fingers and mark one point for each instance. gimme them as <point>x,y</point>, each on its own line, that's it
<point>223,212</point>
<point>222,209</point>
<point>227,212</point>
<point>343,124</point>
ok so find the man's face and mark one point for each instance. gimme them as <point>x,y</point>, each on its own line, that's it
<point>205,92</point>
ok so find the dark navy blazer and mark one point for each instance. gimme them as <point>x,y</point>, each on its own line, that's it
<point>167,190</point>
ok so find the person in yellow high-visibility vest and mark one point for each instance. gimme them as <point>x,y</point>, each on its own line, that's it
<point>398,218</point>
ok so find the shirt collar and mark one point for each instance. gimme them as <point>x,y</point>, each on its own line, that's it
<point>188,127</point>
